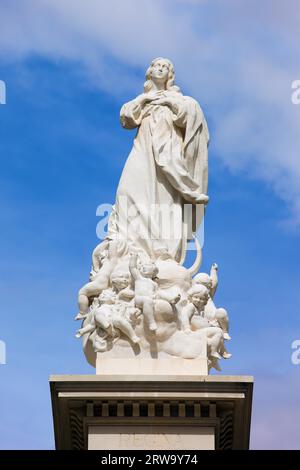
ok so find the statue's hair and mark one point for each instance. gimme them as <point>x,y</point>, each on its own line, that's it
<point>148,85</point>
<point>203,279</point>
<point>108,291</point>
<point>198,289</point>
<point>152,264</point>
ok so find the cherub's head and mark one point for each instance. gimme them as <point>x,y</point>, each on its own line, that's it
<point>149,269</point>
<point>198,295</point>
<point>203,279</point>
<point>120,281</point>
<point>161,70</point>
<point>107,297</point>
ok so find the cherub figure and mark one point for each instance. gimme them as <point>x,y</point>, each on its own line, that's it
<point>98,256</point>
<point>125,296</point>
<point>193,318</point>
<point>216,316</point>
<point>109,316</point>
<point>168,290</point>
<point>121,283</point>
<point>99,279</point>
<point>144,288</point>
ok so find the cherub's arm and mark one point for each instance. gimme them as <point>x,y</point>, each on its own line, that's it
<point>126,294</point>
<point>96,262</point>
<point>86,329</point>
<point>214,279</point>
<point>186,316</point>
<point>93,274</point>
<point>131,113</point>
<point>133,267</point>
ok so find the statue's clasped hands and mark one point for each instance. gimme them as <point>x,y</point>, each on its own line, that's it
<point>158,98</point>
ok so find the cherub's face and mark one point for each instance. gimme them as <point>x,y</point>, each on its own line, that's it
<point>160,71</point>
<point>148,270</point>
<point>199,300</point>
<point>107,297</point>
<point>120,283</point>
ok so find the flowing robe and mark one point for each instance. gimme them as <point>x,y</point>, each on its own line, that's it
<point>166,167</point>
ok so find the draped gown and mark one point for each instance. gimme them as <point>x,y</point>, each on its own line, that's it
<point>167,166</point>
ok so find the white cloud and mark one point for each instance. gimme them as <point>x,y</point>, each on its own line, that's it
<point>238,58</point>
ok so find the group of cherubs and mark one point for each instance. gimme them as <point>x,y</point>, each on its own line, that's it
<point>114,302</point>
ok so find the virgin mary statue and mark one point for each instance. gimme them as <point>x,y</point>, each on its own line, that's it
<point>164,180</point>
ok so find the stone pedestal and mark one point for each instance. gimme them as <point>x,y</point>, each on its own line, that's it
<point>151,438</point>
<point>143,367</point>
<point>144,412</point>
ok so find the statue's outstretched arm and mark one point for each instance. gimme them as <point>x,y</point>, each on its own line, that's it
<point>133,267</point>
<point>214,279</point>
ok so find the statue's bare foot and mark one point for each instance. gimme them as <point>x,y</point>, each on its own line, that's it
<point>196,198</point>
<point>202,198</point>
<point>226,355</point>
<point>226,336</point>
<point>216,355</point>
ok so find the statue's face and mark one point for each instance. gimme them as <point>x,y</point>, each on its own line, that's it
<point>199,300</point>
<point>148,270</point>
<point>107,297</point>
<point>160,71</point>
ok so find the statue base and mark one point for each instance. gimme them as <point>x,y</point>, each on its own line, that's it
<point>167,366</point>
<point>145,412</point>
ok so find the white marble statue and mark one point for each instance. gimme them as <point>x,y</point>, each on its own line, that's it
<point>141,300</point>
<point>167,166</point>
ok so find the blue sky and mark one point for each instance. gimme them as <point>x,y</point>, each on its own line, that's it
<point>68,68</point>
